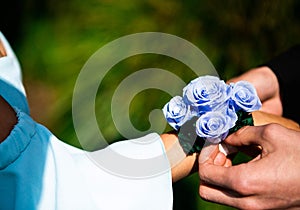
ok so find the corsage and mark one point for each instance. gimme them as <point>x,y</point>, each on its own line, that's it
<point>209,110</point>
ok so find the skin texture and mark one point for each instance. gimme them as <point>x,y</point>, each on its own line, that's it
<point>270,180</point>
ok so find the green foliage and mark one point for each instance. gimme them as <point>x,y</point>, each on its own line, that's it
<point>58,37</point>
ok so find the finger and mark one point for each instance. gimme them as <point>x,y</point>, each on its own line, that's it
<point>266,136</point>
<point>228,163</point>
<point>246,179</point>
<point>241,178</point>
<point>215,174</point>
<point>220,159</point>
<point>219,195</point>
<point>234,199</point>
<point>215,156</point>
<point>246,136</point>
<point>208,171</point>
<point>208,152</point>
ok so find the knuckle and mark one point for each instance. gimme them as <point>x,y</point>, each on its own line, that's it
<point>203,168</point>
<point>251,204</point>
<point>243,184</point>
<point>270,131</point>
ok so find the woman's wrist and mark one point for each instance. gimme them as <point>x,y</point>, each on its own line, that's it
<point>181,164</point>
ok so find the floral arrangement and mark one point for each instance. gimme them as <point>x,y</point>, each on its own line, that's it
<point>215,107</point>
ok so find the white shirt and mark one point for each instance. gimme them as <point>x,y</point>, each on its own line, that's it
<point>39,171</point>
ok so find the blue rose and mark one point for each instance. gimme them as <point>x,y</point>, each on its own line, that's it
<point>244,97</point>
<point>214,126</point>
<point>206,93</point>
<point>176,112</point>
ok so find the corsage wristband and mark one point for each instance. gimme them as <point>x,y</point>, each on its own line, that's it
<point>188,139</point>
<point>210,110</point>
<point>192,143</point>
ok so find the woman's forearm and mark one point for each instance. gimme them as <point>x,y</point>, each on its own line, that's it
<point>181,164</point>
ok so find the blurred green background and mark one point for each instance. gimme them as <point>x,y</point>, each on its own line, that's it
<point>53,39</point>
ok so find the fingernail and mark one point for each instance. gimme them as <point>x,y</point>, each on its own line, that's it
<point>220,159</point>
<point>206,152</point>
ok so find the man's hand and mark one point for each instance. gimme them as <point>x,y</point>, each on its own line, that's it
<point>269,181</point>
